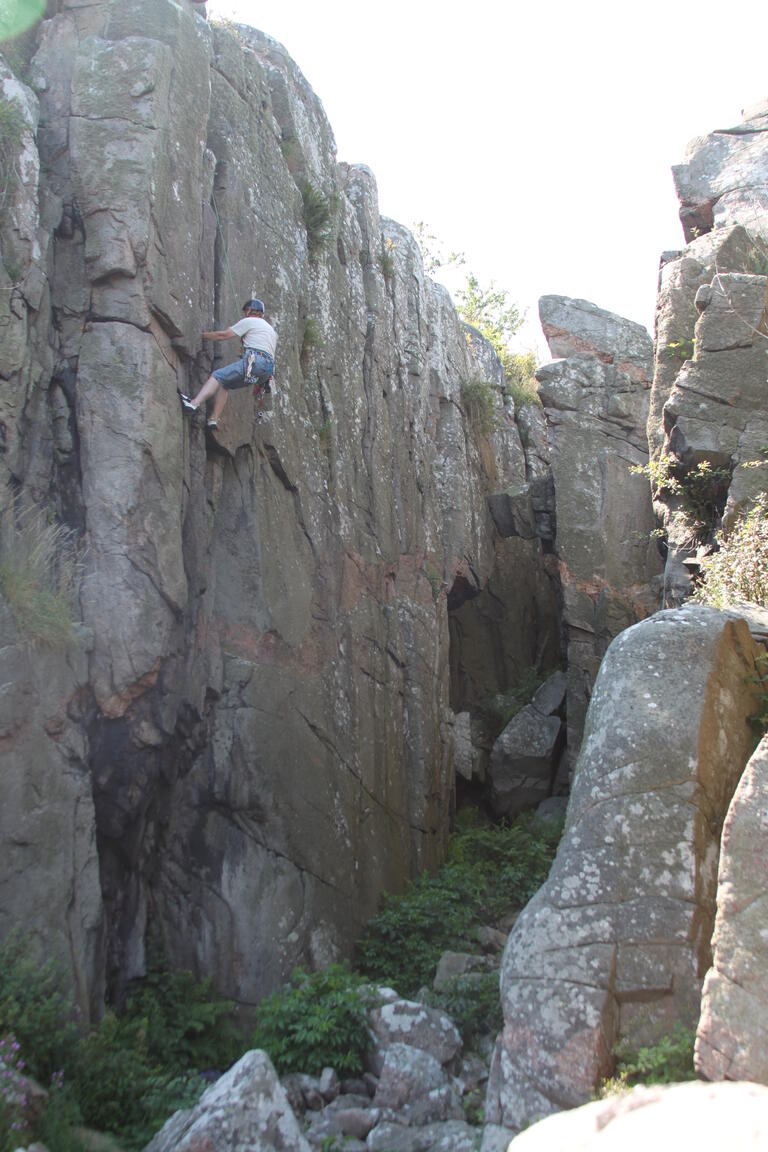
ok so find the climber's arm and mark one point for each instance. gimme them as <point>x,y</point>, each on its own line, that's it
<point>225,335</point>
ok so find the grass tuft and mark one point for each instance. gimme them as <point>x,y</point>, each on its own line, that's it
<point>40,565</point>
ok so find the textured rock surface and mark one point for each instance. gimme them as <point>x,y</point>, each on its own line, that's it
<point>49,881</point>
<point>267,708</point>
<point>710,1117</point>
<point>709,399</point>
<point>617,942</point>
<point>244,1111</point>
<point>596,404</point>
<point>732,1037</point>
<point>724,179</point>
<point>521,769</point>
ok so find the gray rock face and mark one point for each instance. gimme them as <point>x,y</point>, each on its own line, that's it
<point>708,402</point>
<point>711,1116</point>
<point>49,882</point>
<point>246,1110</point>
<point>616,942</point>
<point>724,177</point>
<point>523,761</point>
<point>732,1037</point>
<point>267,716</point>
<point>596,404</point>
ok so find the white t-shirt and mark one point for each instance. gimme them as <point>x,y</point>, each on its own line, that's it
<point>256,333</point>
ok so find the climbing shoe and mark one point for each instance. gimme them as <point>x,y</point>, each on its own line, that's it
<point>211,424</point>
<point>190,407</point>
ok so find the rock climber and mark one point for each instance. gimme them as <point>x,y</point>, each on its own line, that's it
<point>255,333</point>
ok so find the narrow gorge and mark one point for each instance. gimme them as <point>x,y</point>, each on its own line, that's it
<point>297,632</point>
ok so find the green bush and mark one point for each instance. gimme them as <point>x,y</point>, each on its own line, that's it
<point>118,1088</point>
<point>669,1061</point>
<point>131,1072</point>
<point>474,1004</point>
<point>680,350</point>
<point>702,490</point>
<point>739,569</point>
<point>489,871</point>
<point>315,1021</point>
<point>520,377</point>
<point>478,400</point>
<point>39,566</point>
<point>317,217</point>
<point>34,1008</point>
<point>12,125</point>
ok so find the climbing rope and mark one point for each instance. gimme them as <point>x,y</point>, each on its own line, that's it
<point>224,249</point>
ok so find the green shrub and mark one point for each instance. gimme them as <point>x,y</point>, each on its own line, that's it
<point>34,1008</point>
<point>680,350</point>
<point>315,1021</point>
<point>702,490</point>
<point>669,1061</point>
<point>478,398</point>
<point>183,1024</point>
<point>489,870</point>
<point>12,126</point>
<point>520,377</point>
<point>317,217</point>
<point>39,566</point>
<point>118,1088</point>
<point>739,569</point>
<point>473,1003</point>
<point>131,1072</point>
<point>313,335</point>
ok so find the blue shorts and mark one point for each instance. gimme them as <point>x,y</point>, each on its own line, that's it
<point>231,376</point>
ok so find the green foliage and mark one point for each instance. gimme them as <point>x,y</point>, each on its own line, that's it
<point>488,310</point>
<point>488,871</point>
<point>12,126</point>
<point>520,375</point>
<point>317,217</point>
<point>119,1089</point>
<point>435,582</point>
<point>739,569</point>
<point>315,1021</point>
<point>313,336</point>
<point>131,1072</point>
<point>387,258</point>
<point>324,434</point>
<point>34,1007</point>
<point>701,490</point>
<point>478,401</point>
<point>39,566</point>
<point>669,1061</point>
<point>182,1023</point>
<point>680,350</point>
<point>473,1003</point>
<point>433,250</point>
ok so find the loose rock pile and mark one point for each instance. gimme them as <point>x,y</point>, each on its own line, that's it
<point>408,1100</point>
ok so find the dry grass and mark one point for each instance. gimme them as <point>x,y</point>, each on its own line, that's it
<point>40,566</point>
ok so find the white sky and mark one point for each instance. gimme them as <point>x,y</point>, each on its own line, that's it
<point>537,136</point>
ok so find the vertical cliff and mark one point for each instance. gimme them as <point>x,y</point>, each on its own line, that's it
<point>254,723</point>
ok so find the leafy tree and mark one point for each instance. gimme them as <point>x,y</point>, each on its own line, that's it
<point>433,250</point>
<point>489,310</point>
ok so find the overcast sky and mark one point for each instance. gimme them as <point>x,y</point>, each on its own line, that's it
<point>537,137</point>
